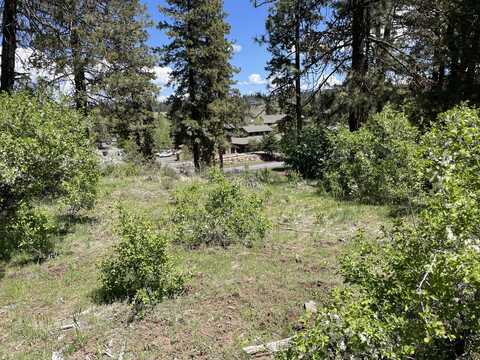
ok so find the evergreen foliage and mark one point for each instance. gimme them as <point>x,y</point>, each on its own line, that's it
<point>291,27</point>
<point>101,47</point>
<point>199,55</point>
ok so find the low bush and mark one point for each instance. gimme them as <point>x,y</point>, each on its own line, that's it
<point>375,164</point>
<point>415,292</point>
<point>310,153</point>
<point>220,211</point>
<point>45,153</point>
<point>29,232</point>
<point>141,267</point>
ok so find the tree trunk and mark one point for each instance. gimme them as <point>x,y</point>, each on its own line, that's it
<point>9,45</point>
<point>360,32</point>
<point>192,96</point>
<point>298,89</point>
<point>196,155</point>
<point>78,72</point>
<point>220,157</point>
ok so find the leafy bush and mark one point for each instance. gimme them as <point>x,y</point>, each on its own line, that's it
<point>141,268</point>
<point>219,212</point>
<point>415,292</point>
<point>44,153</point>
<point>309,155</point>
<point>29,231</point>
<point>376,163</point>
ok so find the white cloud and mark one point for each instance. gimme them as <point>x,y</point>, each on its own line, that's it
<point>236,48</point>
<point>254,79</point>
<point>65,85</point>
<point>162,75</point>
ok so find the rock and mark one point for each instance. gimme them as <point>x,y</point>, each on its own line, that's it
<point>310,307</point>
<point>57,355</point>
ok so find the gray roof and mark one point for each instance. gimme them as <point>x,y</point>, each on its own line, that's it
<point>257,128</point>
<point>273,119</point>
<point>246,140</point>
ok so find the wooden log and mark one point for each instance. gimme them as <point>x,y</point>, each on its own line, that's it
<point>268,348</point>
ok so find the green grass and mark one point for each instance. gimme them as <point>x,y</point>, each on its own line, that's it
<point>235,297</point>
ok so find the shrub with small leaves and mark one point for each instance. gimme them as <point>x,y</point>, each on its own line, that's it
<point>141,267</point>
<point>29,232</point>
<point>377,163</point>
<point>308,155</point>
<point>414,293</point>
<point>220,211</point>
<point>45,153</point>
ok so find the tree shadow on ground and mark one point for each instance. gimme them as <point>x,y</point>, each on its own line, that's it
<point>66,223</point>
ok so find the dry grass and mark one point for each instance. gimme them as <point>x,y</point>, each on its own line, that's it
<point>235,297</point>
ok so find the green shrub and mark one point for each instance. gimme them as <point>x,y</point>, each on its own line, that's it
<point>141,268</point>
<point>44,153</point>
<point>376,163</point>
<point>29,232</point>
<point>415,292</point>
<point>218,212</point>
<point>309,155</point>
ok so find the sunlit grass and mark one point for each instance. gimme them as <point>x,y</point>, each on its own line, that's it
<point>235,296</point>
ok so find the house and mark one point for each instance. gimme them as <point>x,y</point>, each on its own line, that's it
<point>245,144</point>
<point>273,120</point>
<point>248,137</point>
<point>252,136</point>
<point>256,130</point>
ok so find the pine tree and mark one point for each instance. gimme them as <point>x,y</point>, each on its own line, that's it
<point>68,43</point>
<point>100,46</point>
<point>446,46</point>
<point>291,37</point>
<point>127,88</point>
<point>199,54</point>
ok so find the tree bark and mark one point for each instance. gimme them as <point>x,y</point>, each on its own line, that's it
<point>196,155</point>
<point>360,31</point>
<point>78,72</point>
<point>220,157</point>
<point>9,45</point>
<point>192,96</point>
<point>298,89</point>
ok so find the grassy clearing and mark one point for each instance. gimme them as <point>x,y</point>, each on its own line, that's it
<point>235,297</point>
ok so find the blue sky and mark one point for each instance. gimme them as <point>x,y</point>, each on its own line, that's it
<point>246,23</point>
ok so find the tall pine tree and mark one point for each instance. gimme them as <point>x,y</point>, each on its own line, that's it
<point>292,26</point>
<point>125,91</point>
<point>199,55</point>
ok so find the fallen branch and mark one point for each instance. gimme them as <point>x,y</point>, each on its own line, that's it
<point>268,348</point>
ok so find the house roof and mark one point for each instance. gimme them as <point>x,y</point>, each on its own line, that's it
<point>243,141</point>
<point>257,128</point>
<point>273,119</point>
